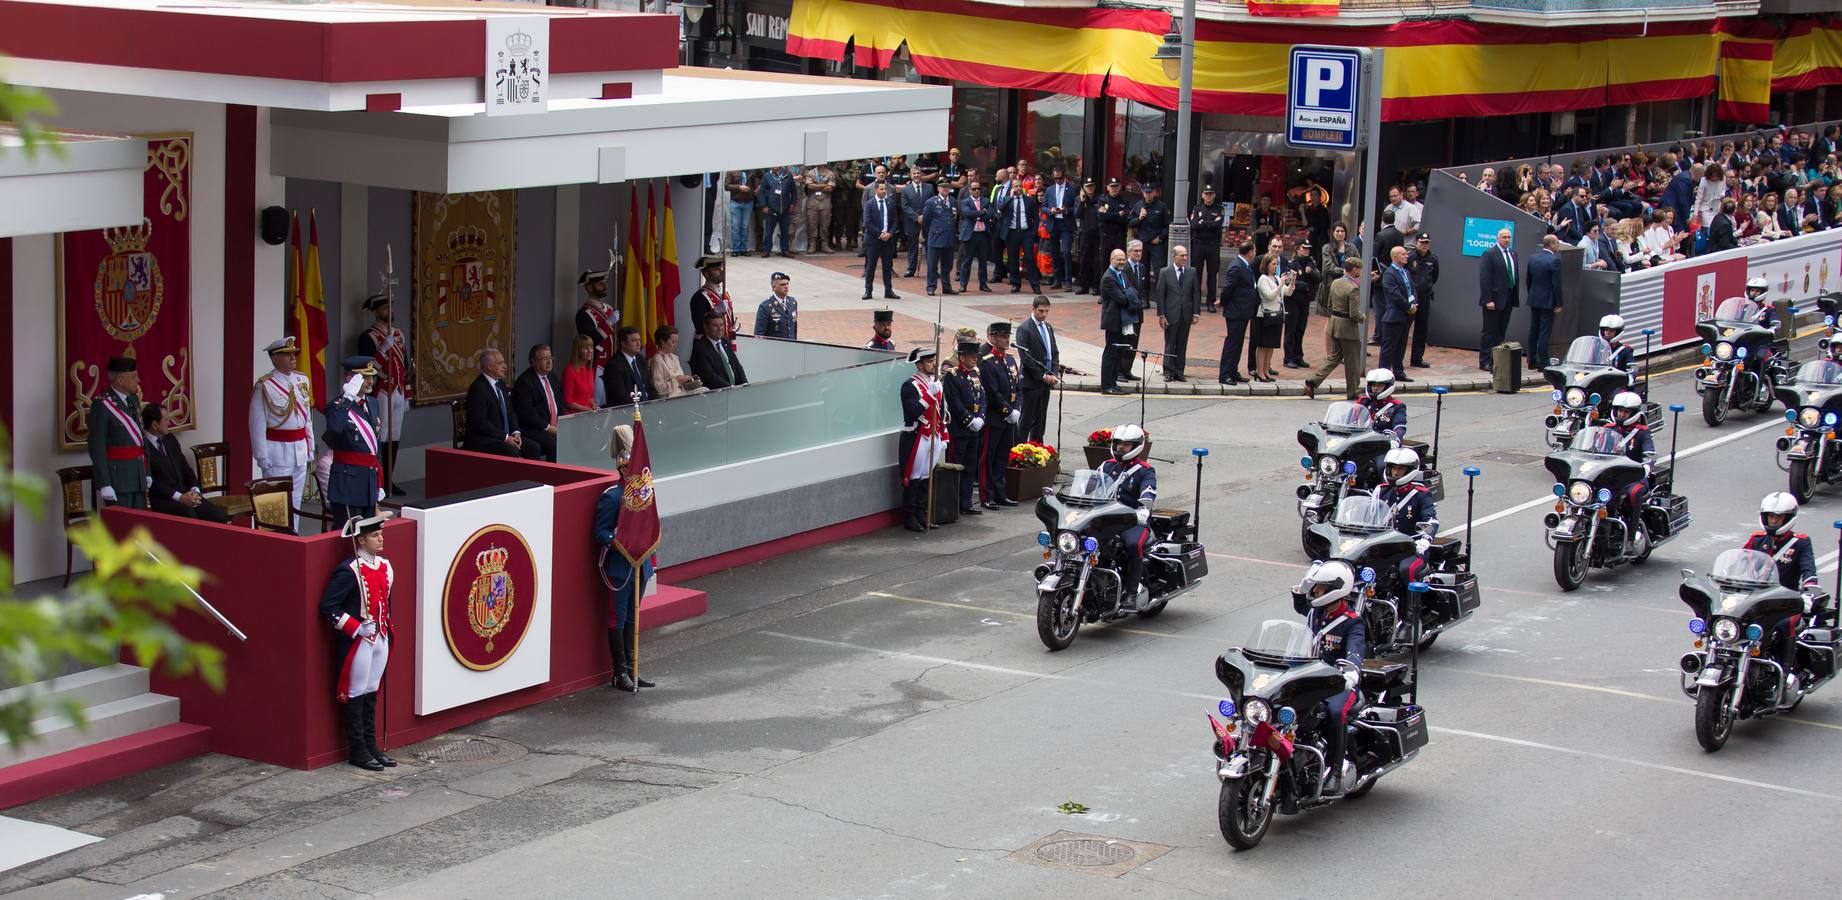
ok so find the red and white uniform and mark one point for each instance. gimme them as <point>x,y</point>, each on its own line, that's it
<point>281,428</point>
<point>365,659</point>
<point>606,321</point>
<point>929,431</point>
<point>393,392</point>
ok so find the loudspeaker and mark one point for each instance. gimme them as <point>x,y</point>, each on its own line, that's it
<point>691,181</point>
<point>274,225</point>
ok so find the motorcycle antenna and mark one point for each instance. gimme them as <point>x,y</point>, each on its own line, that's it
<point>1439,393</point>
<point>1675,428</point>
<point>1415,591</point>
<point>1471,474</point>
<point>1839,568</point>
<point>1144,358</point>
<point>1196,503</point>
<point>1648,332</point>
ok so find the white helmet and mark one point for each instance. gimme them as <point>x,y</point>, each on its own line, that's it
<point>1613,323</point>
<point>1382,377</point>
<point>1756,283</point>
<point>1778,503</point>
<point>1327,582</point>
<point>1128,434</point>
<point>1401,456</point>
<point>1625,407</point>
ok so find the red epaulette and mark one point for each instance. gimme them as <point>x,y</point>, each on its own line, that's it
<point>1800,537</point>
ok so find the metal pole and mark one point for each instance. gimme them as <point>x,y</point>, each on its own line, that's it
<point>229,626</point>
<point>1416,590</point>
<point>1471,473</point>
<point>1196,517</point>
<point>1371,127</point>
<point>1439,393</point>
<point>1180,206</point>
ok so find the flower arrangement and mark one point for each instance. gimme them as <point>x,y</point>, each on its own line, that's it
<point>1104,438</point>
<point>1031,455</point>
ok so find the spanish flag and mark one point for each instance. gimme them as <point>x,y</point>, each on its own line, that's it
<point>1293,7</point>
<point>670,283</point>
<point>309,324</point>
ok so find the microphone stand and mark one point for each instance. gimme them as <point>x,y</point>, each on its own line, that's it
<point>1058,393</point>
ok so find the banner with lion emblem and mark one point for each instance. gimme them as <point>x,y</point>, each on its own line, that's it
<point>463,287</point>
<point>128,292</point>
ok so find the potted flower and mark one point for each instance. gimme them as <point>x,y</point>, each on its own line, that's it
<point>1033,467</point>
<point>1100,447</point>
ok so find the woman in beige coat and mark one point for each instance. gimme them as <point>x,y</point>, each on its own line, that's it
<point>666,371</point>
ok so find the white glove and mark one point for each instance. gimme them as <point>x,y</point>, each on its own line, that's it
<point>108,493</point>
<point>1144,515</point>
<point>380,495</point>
<point>368,629</point>
<point>977,423</point>
<point>1351,678</point>
<point>1420,545</point>
<point>353,385</point>
<point>148,479</point>
<point>1015,416</point>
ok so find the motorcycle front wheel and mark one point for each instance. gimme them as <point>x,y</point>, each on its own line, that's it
<point>1243,814</point>
<point>1713,718</point>
<point>1714,407</point>
<point>1802,475</point>
<point>1056,622</point>
<point>1570,564</point>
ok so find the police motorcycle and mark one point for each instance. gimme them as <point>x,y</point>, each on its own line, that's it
<point>1085,555</point>
<point>1736,668</point>
<point>1731,377</point>
<point>1584,383</point>
<point>1343,457</point>
<point>1809,451</point>
<point>1273,746</point>
<point>1592,473</point>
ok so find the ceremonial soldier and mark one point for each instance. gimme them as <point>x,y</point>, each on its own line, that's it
<point>998,379</point>
<point>713,297</point>
<point>597,318</point>
<point>965,398</point>
<point>280,427</point>
<point>384,342</point>
<point>616,571</point>
<point>1112,209</point>
<point>357,604</point>
<point>881,328</point>
<point>356,481</point>
<point>117,444</point>
<point>924,438</point>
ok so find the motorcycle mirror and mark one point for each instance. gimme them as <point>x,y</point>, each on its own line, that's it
<point>1554,360</point>
<point>1690,573</point>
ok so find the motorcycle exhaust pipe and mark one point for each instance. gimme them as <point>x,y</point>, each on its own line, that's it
<point>1691,663</point>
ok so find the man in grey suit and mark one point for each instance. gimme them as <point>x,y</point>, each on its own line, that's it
<point>1179,299</point>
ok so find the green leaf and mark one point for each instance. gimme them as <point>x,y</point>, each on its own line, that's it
<point>1071,808</point>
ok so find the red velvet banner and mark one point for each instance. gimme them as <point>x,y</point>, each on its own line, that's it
<point>128,292</point>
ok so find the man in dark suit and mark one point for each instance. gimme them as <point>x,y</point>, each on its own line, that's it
<point>537,401</point>
<point>1239,303</point>
<point>1721,235</point>
<point>1499,291</point>
<point>626,371</point>
<point>1120,305</point>
<point>1388,238</point>
<point>175,487</point>
<point>1179,298</point>
<point>712,360</point>
<point>1040,359</point>
<point>976,218</point>
<point>882,221</point>
<point>1544,300</point>
<point>1398,307</point>
<point>491,427</point>
<point>1017,223</point>
<point>1575,216</point>
<point>1423,265</point>
<point>1061,201</point>
<point>1680,196</point>
<point>914,199</point>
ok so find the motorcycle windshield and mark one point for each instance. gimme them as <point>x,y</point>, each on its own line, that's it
<point>1588,351</point>
<point>1820,372</point>
<point>1363,514</point>
<point>1598,439</point>
<point>1287,639</point>
<point>1746,569</point>
<point>1344,417</point>
<point>1089,484</point>
<point>1736,309</point>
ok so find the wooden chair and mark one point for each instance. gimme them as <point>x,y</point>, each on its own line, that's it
<point>211,461</point>
<point>458,408</point>
<point>77,508</point>
<point>325,515</point>
<point>271,504</point>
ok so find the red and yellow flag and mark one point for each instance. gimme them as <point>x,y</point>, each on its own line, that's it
<point>666,305</point>
<point>1293,7</point>
<point>634,292</point>
<point>639,531</point>
<point>313,297</point>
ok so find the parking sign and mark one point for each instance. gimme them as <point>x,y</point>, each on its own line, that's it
<point>1324,97</point>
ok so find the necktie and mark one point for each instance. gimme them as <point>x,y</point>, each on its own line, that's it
<point>729,374</point>
<point>1509,260</point>
<point>639,378</point>
<point>1019,206</point>
<point>505,414</point>
<point>882,208</point>
<point>549,398</point>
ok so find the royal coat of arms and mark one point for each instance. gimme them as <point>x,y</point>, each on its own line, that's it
<point>492,599</point>
<point>487,599</point>
<point>463,290</point>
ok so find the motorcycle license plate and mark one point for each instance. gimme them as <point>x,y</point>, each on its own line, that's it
<point>1710,677</point>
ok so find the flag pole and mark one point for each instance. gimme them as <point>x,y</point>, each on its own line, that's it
<point>639,572</point>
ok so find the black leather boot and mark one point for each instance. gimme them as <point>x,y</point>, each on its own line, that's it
<point>356,752</point>
<point>912,517</point>
<point>370,717</point>
<point>617,648</point>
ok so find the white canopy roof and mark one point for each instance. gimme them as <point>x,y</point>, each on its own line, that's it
<point>89,181</point>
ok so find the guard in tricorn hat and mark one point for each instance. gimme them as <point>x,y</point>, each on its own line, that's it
<point>923,444</point>
<point>118,447</point>
<point>713,297</point>
<point>384,342</point>
<point>357,604</point>
<point>597,318</point>
<point>882,325</point>
<point>355,482</point>
<point>965,399</point>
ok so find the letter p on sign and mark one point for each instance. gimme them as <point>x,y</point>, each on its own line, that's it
<point>1322,75</point>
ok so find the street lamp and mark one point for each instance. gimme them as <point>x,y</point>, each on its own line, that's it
<point>691,11</point>
<point>694,9</point>
<point>1170,52</point>
<point>1177,54</point>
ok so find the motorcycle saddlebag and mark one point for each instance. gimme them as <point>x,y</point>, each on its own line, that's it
<point>1187,560</point>
<point>1402,730</point>
<point>1456,589</point>
<point>1173,523</point>
<point>1675,510</point>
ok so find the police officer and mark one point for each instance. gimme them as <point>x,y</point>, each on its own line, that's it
<point>1136,485</point>
<point>1635,441</point>
<point>1378,398</point>
<point>356,602</point>
<point>923,443</point>
<point>965,398</point>
<point>1087,234</point>
<point>1796,560</point>
<point>1323,598</point>
<point>356,482</point>
<point>1112,210</point>
<point>1151,218</point>
<point>1414,513</point>
<point>778,315</point>
<point>1423,267</point>
<point>998,378</point>
<point>1610,328</point>
<point>881,327</point>
<point>117,444</point>
<point>617,571</point>
<point>1206,222</point>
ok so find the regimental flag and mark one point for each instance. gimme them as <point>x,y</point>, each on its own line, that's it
<point>665,309</point>
<point>312,338</point>
<point>635,294</point>
<point>638,535</point>
<point>1293,7</point>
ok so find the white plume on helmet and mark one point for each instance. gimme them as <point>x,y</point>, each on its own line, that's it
<point>1778,503</point>
<point>1383,377</point>
<point>1333,575</point>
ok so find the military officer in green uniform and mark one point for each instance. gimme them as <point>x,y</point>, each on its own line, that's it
<point>117,445</point>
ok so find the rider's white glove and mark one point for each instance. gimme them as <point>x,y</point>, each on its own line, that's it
<point>1015,416</point>
<point>1351,678</point>
<point>978,423</point>
<point>1420,545</point>
<point>1144,515</point>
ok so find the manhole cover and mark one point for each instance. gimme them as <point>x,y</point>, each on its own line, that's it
<point>456,750</point>
<point>1513,457</point>
<point>1086,852</point>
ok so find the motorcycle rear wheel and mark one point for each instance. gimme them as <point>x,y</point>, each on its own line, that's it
<point>1714,407</point>
<point>1241,825</point>
<point>1713,718</point>
<point>1056,622</point>
<point>1570,564</point>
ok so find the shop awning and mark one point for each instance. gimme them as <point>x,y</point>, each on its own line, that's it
<point>89,181</point>
<point>702,121</point>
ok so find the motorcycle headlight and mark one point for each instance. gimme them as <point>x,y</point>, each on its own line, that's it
<point>1723,350</point>
<point>1580,492</point>
<point>1726,630</point>
<point>1067,542</point>
<point>1257,711</point>
<point>1575,397</point>
<point>1809,417</point>
<point>1328,465</point>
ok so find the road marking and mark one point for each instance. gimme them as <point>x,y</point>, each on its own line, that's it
<point>1022,615</point>
<point>1264,562</point>
<point>1576,686</point>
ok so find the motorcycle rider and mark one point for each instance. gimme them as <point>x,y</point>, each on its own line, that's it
<point>1136,486</point>
<point>1378,397</point>
<point>1796,560</point>
<point>1635,441</point>
<point>1623,356</point>
<point>1414,513</point>
<point>1324,598</point>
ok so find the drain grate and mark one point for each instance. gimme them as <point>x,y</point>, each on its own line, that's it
<point>1091,853</point>
<point>1086,852</point>
<point>462,750</point>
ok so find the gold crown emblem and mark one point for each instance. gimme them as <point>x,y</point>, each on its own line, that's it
<point>467,238</point>
<point>519,43</point>
<point>132,239</point>
<point>492,561</point>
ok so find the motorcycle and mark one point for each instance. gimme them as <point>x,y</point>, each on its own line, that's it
<point>1734,671</point>
<point>1583,531</point>
<point>1809,451</point>
<point>1730,376</point>
<point>1080,578</point>
<point>1584,382</point>
<point>1343,457</point>
<point>1270,750</point>
<point>1362,533</point>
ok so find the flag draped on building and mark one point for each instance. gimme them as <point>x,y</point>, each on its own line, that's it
<point>1293,7</point>
<point>666,305</point>
<point>309,322</point>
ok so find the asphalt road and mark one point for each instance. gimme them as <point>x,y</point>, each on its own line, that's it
<point>877,718</point>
